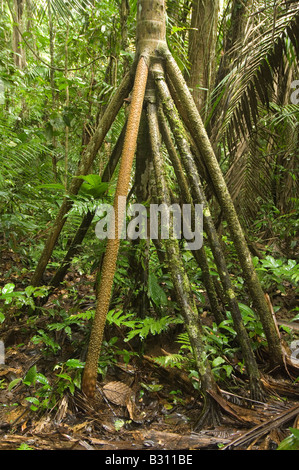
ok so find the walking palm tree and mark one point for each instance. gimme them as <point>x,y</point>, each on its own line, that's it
<point>159,88</point>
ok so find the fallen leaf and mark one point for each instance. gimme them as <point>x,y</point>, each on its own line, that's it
<point>118,393</point>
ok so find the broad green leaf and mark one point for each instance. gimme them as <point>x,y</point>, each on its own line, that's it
<point>152,387</point>
<point>156,292</point>
<point>291,442</point>
<point>13,383</point>
<point>41,378</point>
<point>93,186</point>
<point>31,376</point>
<point>246,310</point>
<point>217,361</point>
<point>29,290</point>
<point>8,288</point>
<point>228,368</point>
<point>34,401</point>
<point>74,364</point>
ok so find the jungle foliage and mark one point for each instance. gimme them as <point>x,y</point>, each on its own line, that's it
<point>59,67</point>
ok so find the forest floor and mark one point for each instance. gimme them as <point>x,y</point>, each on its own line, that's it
<point>162,417</point>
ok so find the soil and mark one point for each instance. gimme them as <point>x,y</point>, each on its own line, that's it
<point>139,405</point>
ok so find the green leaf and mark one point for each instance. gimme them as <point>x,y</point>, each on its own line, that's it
<point>56,186</point>
<point>156,293</point>
<point>228,368</point>
<point>143,327</point>
<point>8,288</point>
<point>118,424</point>
<point>92,186</point>
<point>31,376</point>
<point>13,383</point>
<point>49,131</point>
<point>42,379</point>
<point>119,319</point>
<point>218,361</point>
<point>29,290</point>
<point>34,401</point>
<point>291,442</point>
<point>246,310</point>
<point>74,364</point>
<point>152,387</point>
<point>24,446</point>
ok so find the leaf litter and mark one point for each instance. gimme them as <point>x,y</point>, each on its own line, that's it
<point>140,405</point>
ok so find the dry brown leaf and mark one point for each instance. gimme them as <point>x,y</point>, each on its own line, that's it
<point>24,426</point>
<point>130,408</point>
<point>42,425</point>
<point>5,370</point>
<point>118,393</point>
<point>62,410</point>
<point>80,426</point>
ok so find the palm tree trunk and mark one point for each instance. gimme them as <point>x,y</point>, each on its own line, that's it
<point>199,255</point>
<point>178,274</point>
<point>202,51</point>
<point>197,130</point>
<point>199,198</point>
<point>110,258</point>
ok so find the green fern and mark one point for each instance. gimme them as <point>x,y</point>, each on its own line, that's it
<point>184,340</point>
<point>140,327</point>
<point>149,325</point>
<point>119,319</point>
<point>171,360</point>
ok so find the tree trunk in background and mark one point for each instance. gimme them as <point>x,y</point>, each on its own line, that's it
<point>202,51</point>
<point>19,53</point>
<point>234,36</point>
<point>53,87</point>
<point>124,13</point>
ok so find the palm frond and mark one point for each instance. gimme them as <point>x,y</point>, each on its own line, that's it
<point>23,159</point>
<point>64,11</point>
<point>259,59</point>
<point>265,163</point>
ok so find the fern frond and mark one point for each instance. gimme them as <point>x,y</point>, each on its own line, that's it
<point>149,325</point>
<point>171,360</point>
<point>183,338</point>
<point>119,319</point>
